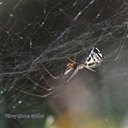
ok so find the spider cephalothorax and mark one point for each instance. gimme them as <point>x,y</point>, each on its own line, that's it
<point>70,67</point>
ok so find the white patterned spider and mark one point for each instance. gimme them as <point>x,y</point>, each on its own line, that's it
<point>94,59</point>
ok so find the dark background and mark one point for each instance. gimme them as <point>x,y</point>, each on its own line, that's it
<point>35,32</point>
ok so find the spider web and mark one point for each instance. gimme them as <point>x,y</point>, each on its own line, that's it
<point>37,37</point>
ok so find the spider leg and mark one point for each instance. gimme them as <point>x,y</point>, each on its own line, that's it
<point>89,68</point>
<point>74,73</point>
<point>50,74</point>
<point>71,60</point>
<point>68,71</point>
<point>75,57</point>
<point>47,89</point>
<point>35,95</point>
<point>45,80</point>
